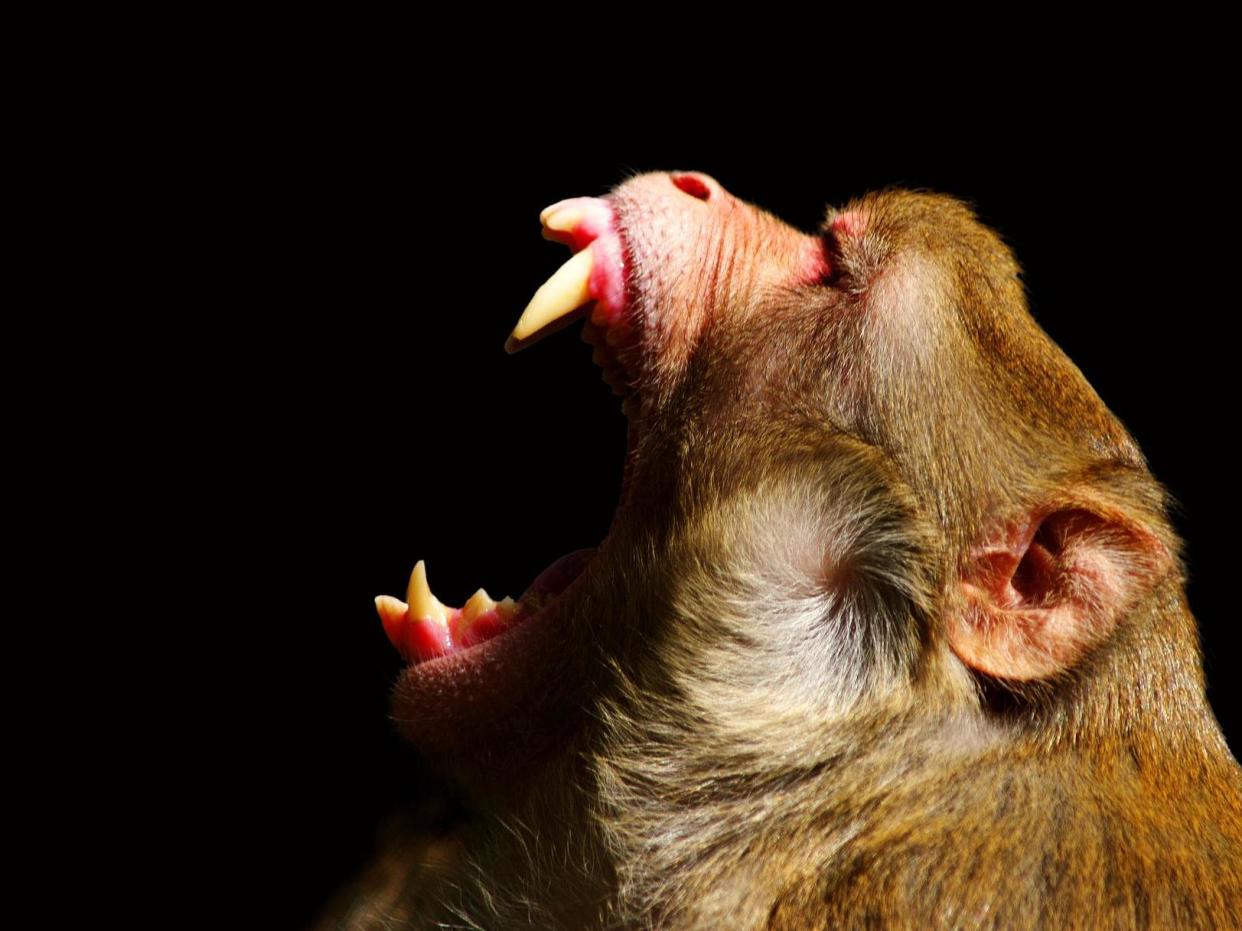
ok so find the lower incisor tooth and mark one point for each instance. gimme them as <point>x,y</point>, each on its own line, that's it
<point>391,610</point>
<point>479,603</point>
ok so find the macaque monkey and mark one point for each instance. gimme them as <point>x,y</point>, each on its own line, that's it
<point>889,630</point>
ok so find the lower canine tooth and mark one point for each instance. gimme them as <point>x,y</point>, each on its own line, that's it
<point>423,604</point>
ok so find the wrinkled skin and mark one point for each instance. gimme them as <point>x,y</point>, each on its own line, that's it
<point>889,630</point>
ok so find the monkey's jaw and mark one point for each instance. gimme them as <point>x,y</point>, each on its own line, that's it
<point>501,699</point>
<point>592,281</point>
<point>488,680</point>
<point>424,630</point>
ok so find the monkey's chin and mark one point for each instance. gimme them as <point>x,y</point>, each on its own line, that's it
<point>502,700</point>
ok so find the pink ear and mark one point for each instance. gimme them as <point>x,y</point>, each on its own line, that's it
<point>1050,587</point>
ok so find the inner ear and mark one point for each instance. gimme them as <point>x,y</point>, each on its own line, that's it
<point>1034,573</point>
<point>1049,587</point>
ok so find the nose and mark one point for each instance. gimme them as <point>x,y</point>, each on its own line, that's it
<point>697,185</point>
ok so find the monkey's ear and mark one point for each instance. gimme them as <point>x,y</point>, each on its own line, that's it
<point>1052,586</point>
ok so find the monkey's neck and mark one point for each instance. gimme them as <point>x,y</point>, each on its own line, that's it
<point>946,815</point>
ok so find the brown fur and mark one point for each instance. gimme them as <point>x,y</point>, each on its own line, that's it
<point>780,732</point>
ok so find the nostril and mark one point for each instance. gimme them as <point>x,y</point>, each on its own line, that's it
<point>693,185</point>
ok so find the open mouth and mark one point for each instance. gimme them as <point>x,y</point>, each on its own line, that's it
<point>440,640</point>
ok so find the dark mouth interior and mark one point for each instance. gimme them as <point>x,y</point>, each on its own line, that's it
<point>423,629</point>
<point>447,630</point>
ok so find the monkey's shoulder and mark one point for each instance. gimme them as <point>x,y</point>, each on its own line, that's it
<point>1013,849</point>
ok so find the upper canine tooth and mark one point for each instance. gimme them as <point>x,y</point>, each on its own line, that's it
<point>423,604</point>
<point>568,289</point>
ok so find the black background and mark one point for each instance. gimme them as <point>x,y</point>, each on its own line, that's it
<point>365,415</point>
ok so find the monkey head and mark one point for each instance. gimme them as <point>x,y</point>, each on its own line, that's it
<point>854,462</point>
<point>877,539</point>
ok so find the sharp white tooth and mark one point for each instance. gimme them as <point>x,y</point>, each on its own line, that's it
<point>423,604</point>
<point>391,610</point>
<point>568,289</point>
<point>478,603</point>
<point>564,220</point>
<point>552,208</point>
<point>506,608</point>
